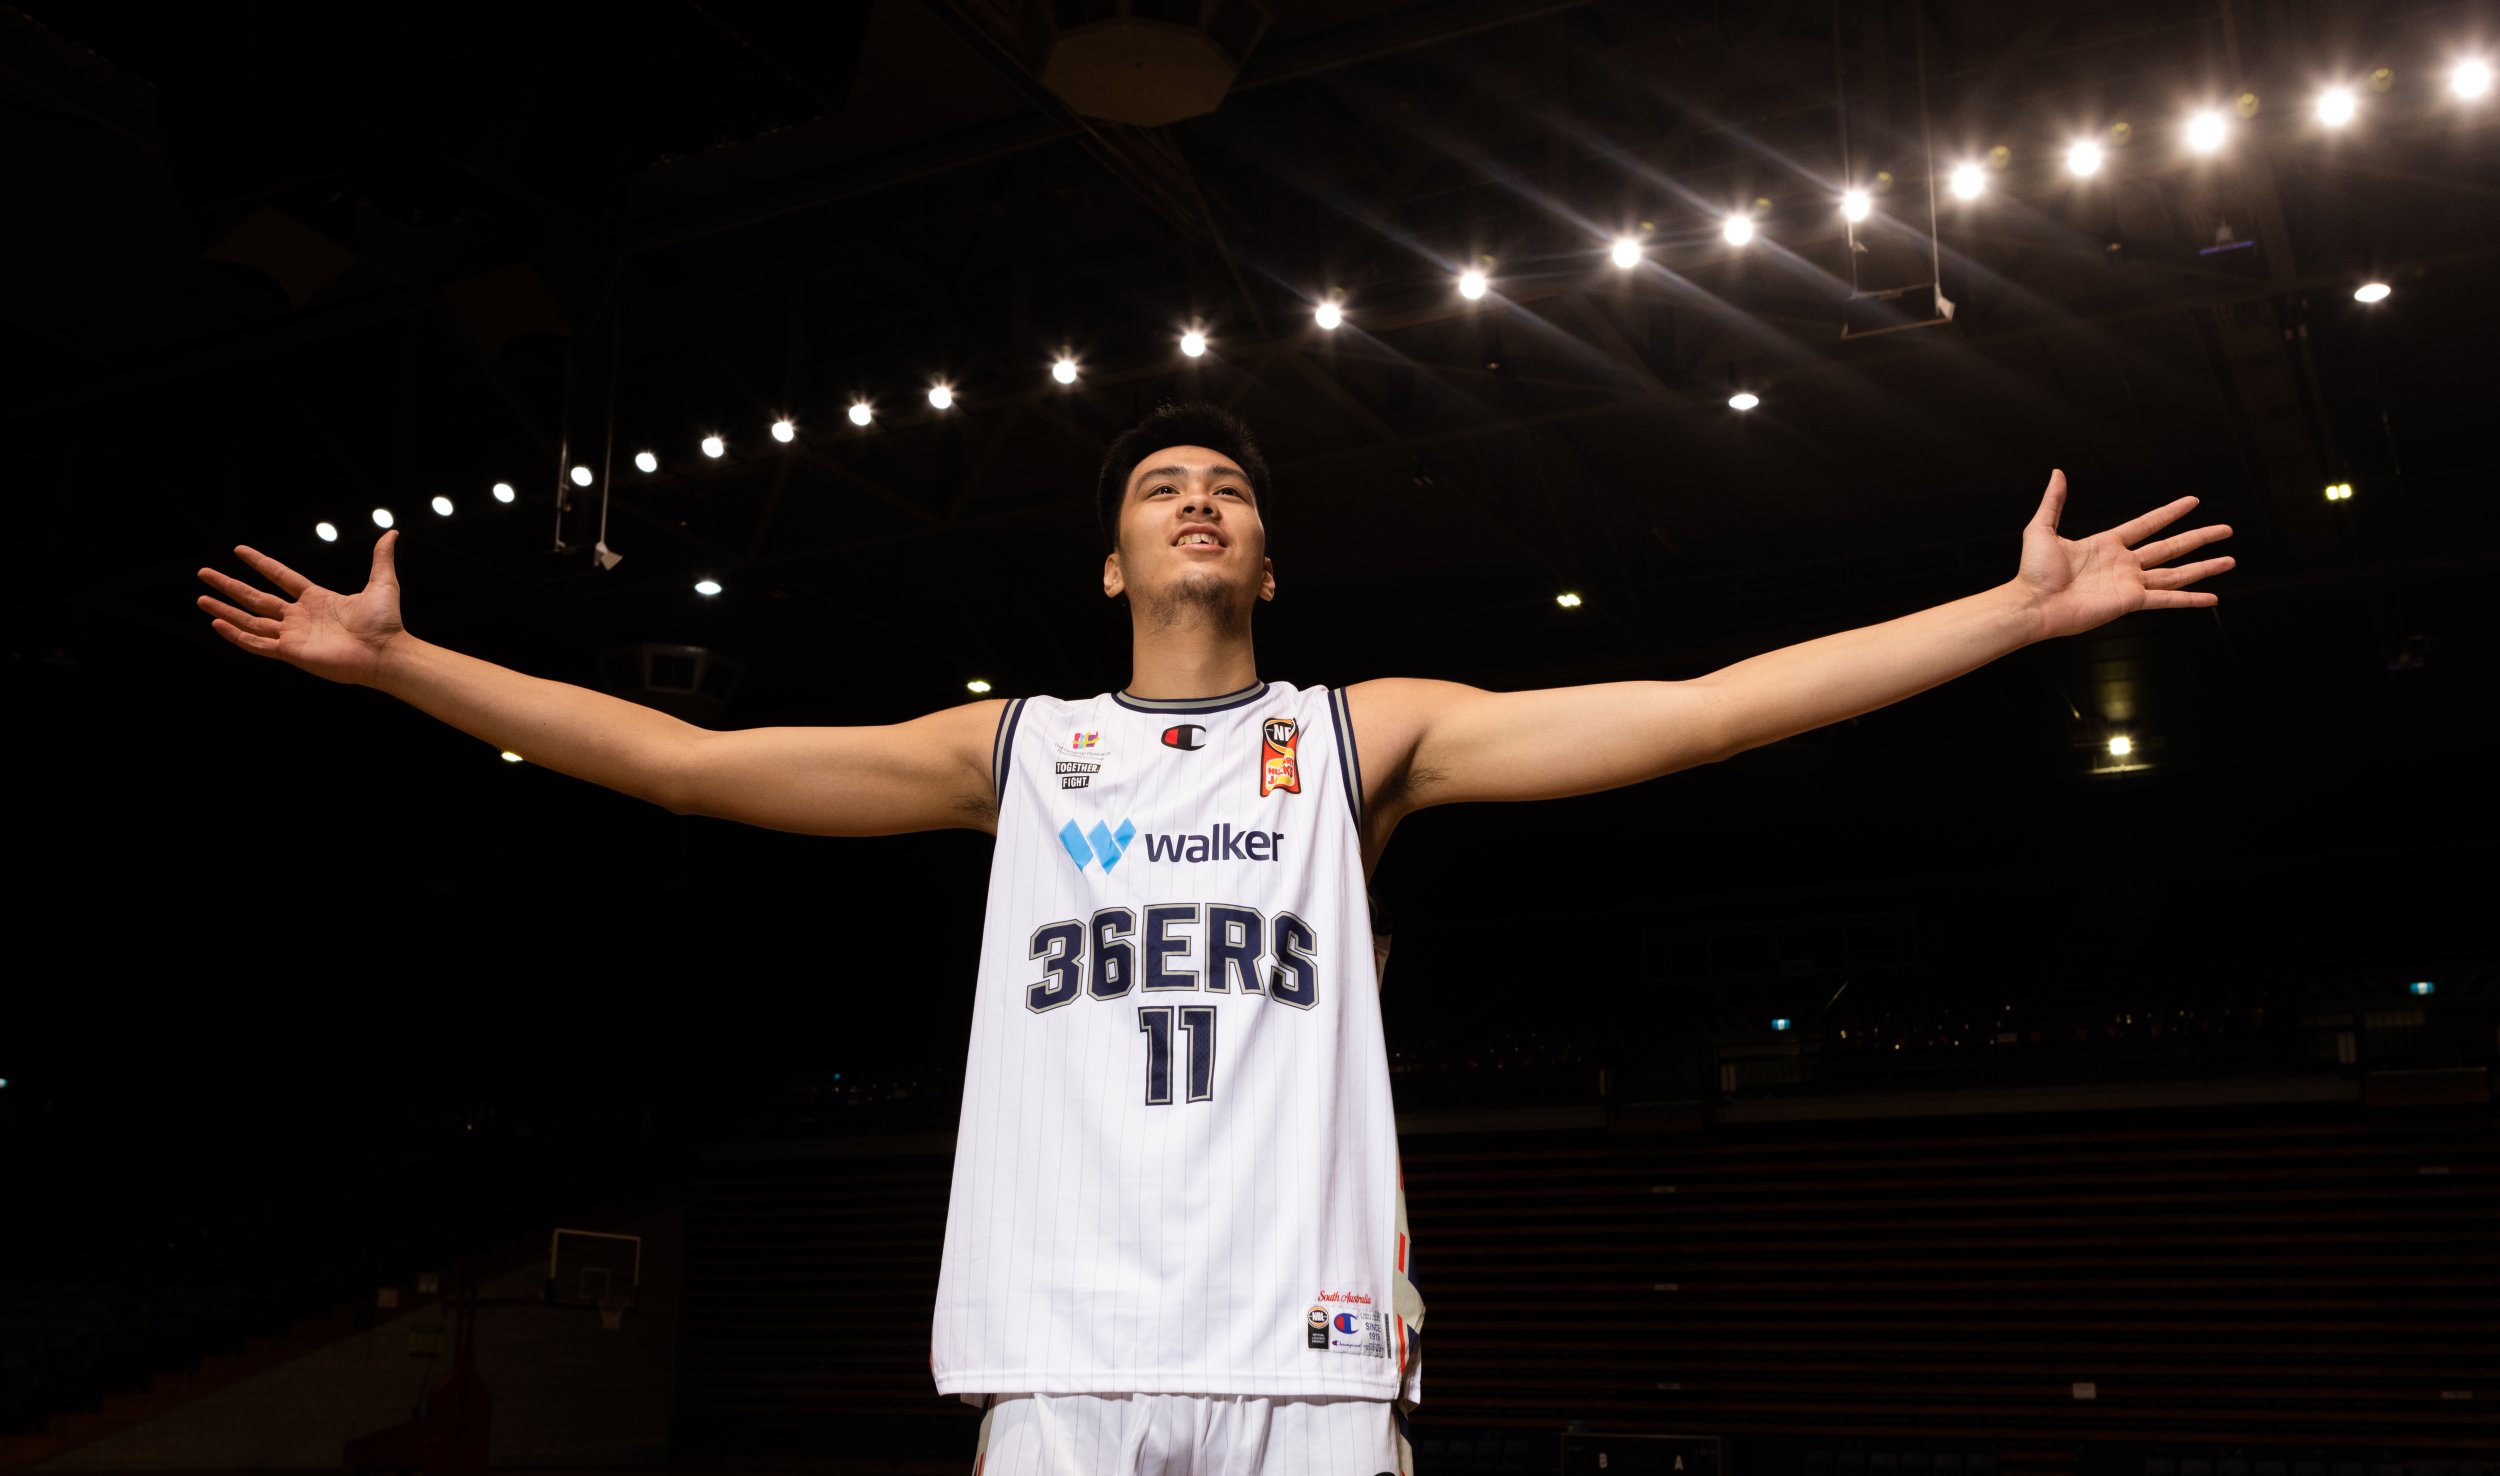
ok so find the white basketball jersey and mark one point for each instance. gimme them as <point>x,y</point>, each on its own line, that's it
<point>1177,1169</point>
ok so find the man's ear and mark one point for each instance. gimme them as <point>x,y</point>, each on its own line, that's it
<point>1112,583</point>
<point>1267,579</point>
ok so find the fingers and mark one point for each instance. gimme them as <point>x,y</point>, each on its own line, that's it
<point>2154,521</point>
<point>2052,502</point>
<point>252,624</point>
<point>2175,599</point>
<point>384,570</point>
<point>2170,548</point>
<point>2186,574</point>
<point>259,601</point>
<point>257,645</point>
<point>286,579</point>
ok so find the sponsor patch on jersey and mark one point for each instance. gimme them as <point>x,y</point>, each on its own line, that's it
<point>1073,775</point>
<point>1346,1322</point>
<point>1188,737</point>
<point>1278,766</point>
<point>1080,741</point>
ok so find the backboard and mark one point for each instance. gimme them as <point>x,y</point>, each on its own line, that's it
<point>585,1267</point>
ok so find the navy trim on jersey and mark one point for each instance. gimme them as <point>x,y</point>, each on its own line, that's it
<point>999,747</point>
<point>1224,703</point>
<point>1349,763</point>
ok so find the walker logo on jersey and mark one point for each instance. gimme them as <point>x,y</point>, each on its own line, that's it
<point>1278,768</point>
<point>1220,842</point>
<point>1101,843</point>
<point>1188,737</point>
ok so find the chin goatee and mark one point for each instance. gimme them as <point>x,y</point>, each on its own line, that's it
<point>1196,602</point>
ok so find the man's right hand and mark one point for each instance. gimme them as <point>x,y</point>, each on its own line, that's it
<point>340,637</point>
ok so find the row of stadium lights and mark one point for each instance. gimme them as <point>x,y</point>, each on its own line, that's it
<point>2419,989</point>
<point>2203,133</point>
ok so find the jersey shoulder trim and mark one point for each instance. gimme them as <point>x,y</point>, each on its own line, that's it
<point>1349,762</point>
<point>1003,746</point>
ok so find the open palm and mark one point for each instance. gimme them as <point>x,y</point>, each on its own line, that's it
<point>340,637</point>
<point>2079,584</point>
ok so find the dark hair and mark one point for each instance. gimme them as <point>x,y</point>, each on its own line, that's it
<point>1196,423</point>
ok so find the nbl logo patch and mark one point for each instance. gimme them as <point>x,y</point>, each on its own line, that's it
<point>1279,768</point>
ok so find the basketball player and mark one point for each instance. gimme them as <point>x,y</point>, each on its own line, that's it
<point>1177,1241</point>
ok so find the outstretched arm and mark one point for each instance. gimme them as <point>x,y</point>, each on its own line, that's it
<point>1443,743</point>
<point>928,774</point>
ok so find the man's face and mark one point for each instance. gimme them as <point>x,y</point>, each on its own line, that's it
<point>1189,534</point>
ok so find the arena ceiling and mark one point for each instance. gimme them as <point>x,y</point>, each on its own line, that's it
<point>274,266</point>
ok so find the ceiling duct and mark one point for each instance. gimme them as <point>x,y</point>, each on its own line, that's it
<point>1141,62</point>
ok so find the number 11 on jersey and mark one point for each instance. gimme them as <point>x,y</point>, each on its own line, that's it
<point>1198,1023</point>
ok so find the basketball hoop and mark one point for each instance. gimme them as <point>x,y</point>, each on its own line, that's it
<point>612,1312</point>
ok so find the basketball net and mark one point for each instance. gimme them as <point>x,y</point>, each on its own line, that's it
<point>611,1313</point>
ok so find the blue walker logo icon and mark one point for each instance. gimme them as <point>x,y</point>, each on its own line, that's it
<point>1102,843</point>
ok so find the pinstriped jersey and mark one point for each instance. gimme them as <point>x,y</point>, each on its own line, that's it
<point>1177,1167</point>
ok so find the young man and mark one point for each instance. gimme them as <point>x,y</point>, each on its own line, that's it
<point>1177,1239</point>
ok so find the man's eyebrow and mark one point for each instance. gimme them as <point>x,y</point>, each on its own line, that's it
<point>1222,473</point>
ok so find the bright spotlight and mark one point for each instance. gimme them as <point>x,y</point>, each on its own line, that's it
<point>2121,746</point>
<point>510,757</point>
<point>2084,158</point>
<point>1857,205</point>
<point>2470,78</point>
<point>1567,600</point>
<point>381,517</point>
<point>442,506</point>
<point>1738,230</point>
<point>503,492</point>
<point>940,396</point>
<point>707,586</point>
<point>976,686</point>
<point>2335,107</point>
<point>713,447</point>
<point>860,413</point>
<point>1627,253</point>
<point>1967,179</point>
<point>327,532</point>
<point>2204,132</point>
<point>581,476</point>
<point>2339,491</point>
<point>1743,400</point>
<point>1064,371</point>
<point>1327,316</point>
<point>784,431</point>
<point>645,462</point>
<point>2371,292</point>
<point>1193,343</point>
<point>1471,284</point>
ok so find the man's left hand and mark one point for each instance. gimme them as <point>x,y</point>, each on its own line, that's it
<point>2076,585</point>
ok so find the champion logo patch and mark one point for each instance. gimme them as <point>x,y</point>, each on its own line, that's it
<point>1188,737</point>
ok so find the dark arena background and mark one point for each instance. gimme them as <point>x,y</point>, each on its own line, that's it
<point>2082,1067</point>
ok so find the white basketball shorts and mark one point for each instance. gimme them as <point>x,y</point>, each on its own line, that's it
<point>1189,1435</point>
